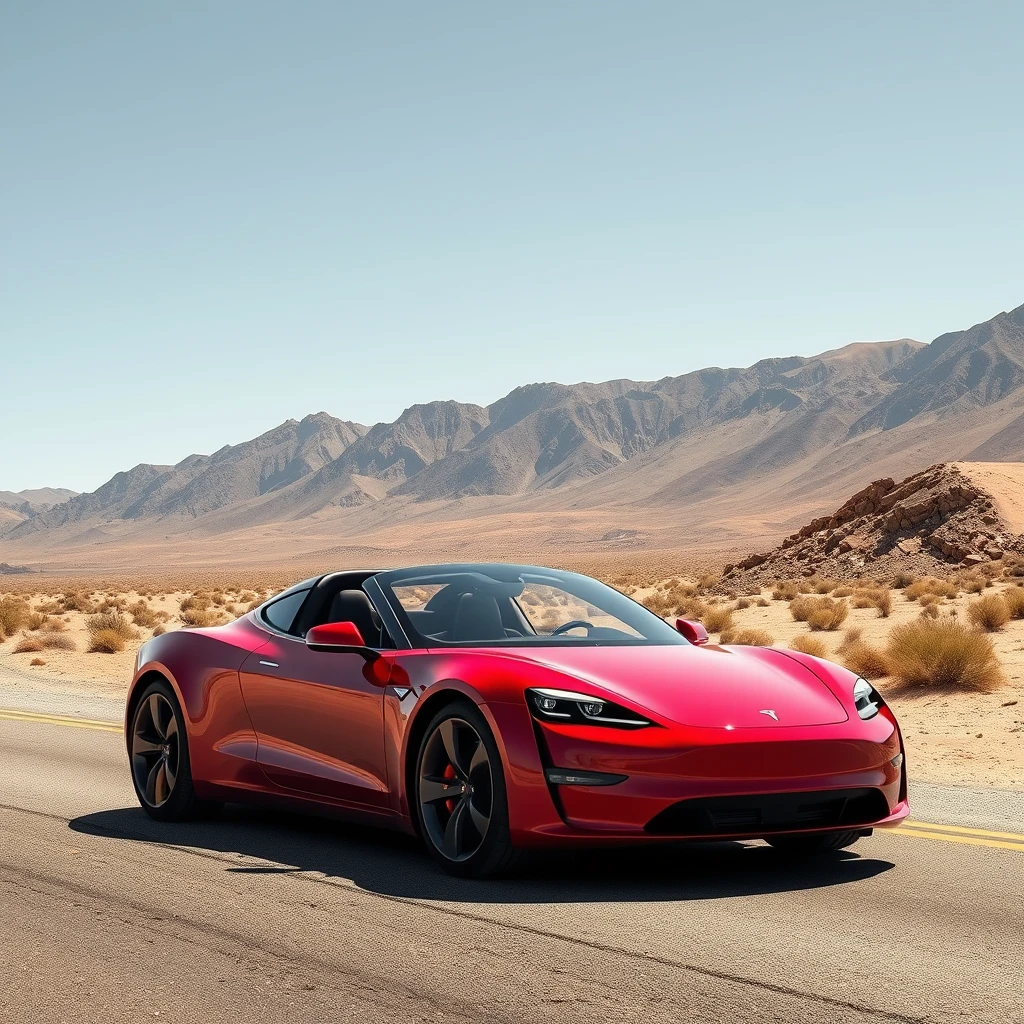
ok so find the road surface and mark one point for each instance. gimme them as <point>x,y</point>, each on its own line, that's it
<point>107,916</point>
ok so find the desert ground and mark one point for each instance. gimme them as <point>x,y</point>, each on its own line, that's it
<point>69,638</point>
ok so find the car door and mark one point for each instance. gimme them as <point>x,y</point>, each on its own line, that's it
<point>319,721</point>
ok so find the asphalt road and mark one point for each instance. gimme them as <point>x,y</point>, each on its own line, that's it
<point>107,916</point>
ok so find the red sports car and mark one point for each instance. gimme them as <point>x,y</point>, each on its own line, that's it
<point>497,708</point>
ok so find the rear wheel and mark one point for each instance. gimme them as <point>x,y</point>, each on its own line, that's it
<point>161,770</point>
<point>814,842</point>
<point>460,798</point>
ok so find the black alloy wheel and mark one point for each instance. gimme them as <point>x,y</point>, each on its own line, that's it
<point>158,752</point>
<point>460,793</point>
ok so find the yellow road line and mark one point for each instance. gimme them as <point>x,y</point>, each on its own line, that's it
<point>970,840</point>
<point>916,829</point>
<point>74,723</point>
<point>931,826</point>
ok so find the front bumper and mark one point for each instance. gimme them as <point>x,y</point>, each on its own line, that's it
<point>849,775</point>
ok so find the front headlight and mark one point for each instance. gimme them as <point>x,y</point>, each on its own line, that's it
<point>866,698</point>
<point>580,708</point>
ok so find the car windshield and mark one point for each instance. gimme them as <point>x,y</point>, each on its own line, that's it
<point>516,606</point>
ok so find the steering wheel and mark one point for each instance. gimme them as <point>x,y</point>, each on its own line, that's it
<point>572,624</point>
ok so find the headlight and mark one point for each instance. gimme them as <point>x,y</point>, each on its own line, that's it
<point>580,708</point>
<point>866,698</point>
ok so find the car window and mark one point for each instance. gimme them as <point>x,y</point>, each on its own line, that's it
<point>281,614</point>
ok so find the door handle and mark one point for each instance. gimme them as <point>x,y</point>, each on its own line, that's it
<point>270,664</point>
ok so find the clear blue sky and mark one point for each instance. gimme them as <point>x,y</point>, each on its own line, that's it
<point>215,216</point>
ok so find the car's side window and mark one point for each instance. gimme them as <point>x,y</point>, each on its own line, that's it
<point>281,614</point>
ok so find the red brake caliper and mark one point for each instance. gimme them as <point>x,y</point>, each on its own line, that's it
<point>449,773</point>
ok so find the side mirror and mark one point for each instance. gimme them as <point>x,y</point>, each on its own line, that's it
<point>339,637</point>
<point>693,631</point>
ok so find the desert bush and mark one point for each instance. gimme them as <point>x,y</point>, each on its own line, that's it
<point>747,637</point>
<point>77,602</point>
<point>196,617</point>
<point>931,611</point>
<point>785,591</point>
<point>845,591</point>
<point>902,579</point>
<point>27,645</point>
<point>56,642</point>
<point>106,641</point>
<point>142,614</point>
<point>742,603</point>
<point>113,622</point>
<point>34,621</point>
<point>13,615</point>
<point>828,614</point>
<point>195,602</point>
<point>929,586</point>
<point>800,607</point>
<point>943,655</point>
<point>715,620</point>
<point>989,613</point>
<point>808,644</point>
<point>822,585</point>
<point>1014,598</point>
<point>862,657</point>
<point>971,582</point>
<point>159,631</point>
<point>658,602</point>
<point>53,626</point>
<point>50,608</point>
<point>763,602</point>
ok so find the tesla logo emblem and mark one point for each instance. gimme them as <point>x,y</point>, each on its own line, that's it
<point>771,714</point>
<point>402,692</point>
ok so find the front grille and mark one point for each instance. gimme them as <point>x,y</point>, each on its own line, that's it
<point>763,813</point>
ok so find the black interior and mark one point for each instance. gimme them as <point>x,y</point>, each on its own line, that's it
<point>340,598</point>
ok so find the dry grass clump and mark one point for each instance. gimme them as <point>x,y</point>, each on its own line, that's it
<point>1014,598</point>
<point>747,637</point>
<point>159,631</point>
<point>942,655</point>
<point>53,626</point>
<point>27,645</point>
<point>142,614</point>
<point>109,632</point>
<point>14,614</point>
<point>808,644</point>
<point>929,587</point>
<point>786,590</point>
<point>989,613</point>
<point>742,603</point>
<point>972,582</point>
<point>930,611</point>
<point>873,597</point>
<point>34,621</point>
<point>822,584</point>
<point>862,657</point>
<point>75,601</point>
<point>196,617</point>
<point>820,613</point>
<point>56,642</point>
<point>902,579</point>
<point>717,620</point>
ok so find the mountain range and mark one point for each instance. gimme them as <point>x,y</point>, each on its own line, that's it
<point>710,459</point>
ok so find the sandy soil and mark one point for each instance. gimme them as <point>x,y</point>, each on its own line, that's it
<point>951,738</point>
<point>1004,481</point>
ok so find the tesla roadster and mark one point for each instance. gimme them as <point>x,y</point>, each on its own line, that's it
<point>492,709</point>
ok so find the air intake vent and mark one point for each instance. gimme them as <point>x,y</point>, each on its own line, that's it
<point>764,813</point>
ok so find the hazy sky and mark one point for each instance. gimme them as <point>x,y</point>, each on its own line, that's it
<point>215,216</point>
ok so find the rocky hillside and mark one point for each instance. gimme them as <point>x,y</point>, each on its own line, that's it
<point>929,522</point>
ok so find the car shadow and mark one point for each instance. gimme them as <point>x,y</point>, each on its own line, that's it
<point>393,864</point>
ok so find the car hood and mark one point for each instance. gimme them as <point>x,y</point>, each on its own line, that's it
<point>710,687</point>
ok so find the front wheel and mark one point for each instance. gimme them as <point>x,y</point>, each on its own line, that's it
<point>161,770</point>
<point>460,798</point>
<point>814,842</point>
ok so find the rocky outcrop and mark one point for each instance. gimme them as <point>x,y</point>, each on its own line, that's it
<point>936,516</point>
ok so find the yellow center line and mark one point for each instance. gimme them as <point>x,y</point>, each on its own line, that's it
<point>74,723</point>
<point>915,829</point>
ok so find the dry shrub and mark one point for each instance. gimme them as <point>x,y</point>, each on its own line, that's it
<point>195,602</point>
<point>883,602</point>
<point>862,657</point>
<point>716,620</point>
<point>36,661</point>
<point>159,631</point>
<point>114,622</point>
<point>209,617</point>
<point>57,642</point>
<point>944,655</point>
<point>1014,598</point>
<point>747,637</point>
<point>763,602</point>
<point>53,626</point>
<point>742,603</point>
<point>808,644</point>
<point>828,614</point>
<point>846,591</point>
<point>50,608</point>
<point>931,611</point>
<point>822,585</point>
<point>785,591</point>
<point>77,602</point>
<point>28,645</point>
<point>13,616</point>
<point>902,579</point>
<point>106,641</point>
<point>971,582</point>
<point>989,613</point>
<point>930,586</point>
<point>34,621</point>
<point>142,614</point>
<point>801,607</point>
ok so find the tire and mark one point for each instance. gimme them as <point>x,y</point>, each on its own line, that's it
<point>814,842</point>
<point>475,780</point>
<point>159,757</point>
